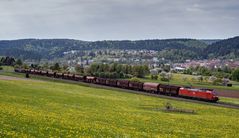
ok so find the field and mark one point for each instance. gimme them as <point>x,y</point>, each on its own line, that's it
<point>177,79</point>
<point>42,108</point>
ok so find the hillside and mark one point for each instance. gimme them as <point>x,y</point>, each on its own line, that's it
<point>39,49</point>
<point>54,48</point>
<point>171,49</point>
<point>228,48</point>
<point>40,108</point>
<point>210,41</point>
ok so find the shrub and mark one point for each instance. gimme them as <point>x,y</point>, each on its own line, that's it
<point>217,82</point>
<point>154,77</point>
<point>128,76</point>
<point>200,78</point>
<point>164,79</point>
<point>102,74</point>
<point>17,66</point>
<point>166,76</point>
<point>212,78</point>
<point>134,79</point>
<point>235,75</point>
<point>97,74</point>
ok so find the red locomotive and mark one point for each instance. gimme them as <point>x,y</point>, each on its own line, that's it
<point>203,94</point>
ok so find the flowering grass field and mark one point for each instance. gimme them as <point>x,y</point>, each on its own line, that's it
<point>31,108</point>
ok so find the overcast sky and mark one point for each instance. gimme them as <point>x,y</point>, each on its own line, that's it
<point>118,19</point>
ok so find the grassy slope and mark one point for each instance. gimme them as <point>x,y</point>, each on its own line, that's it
<point>33,108</point>
<point>230,100</point>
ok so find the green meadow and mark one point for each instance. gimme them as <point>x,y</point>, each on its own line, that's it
<point>187,80</point>
<point>33,108</point>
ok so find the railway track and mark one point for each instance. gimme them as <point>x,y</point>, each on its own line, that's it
<point>220,104</point>
<point>228,105</point>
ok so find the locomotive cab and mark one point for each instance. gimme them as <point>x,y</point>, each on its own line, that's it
<point>214,96</point>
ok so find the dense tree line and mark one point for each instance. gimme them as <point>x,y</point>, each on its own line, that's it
<point>117,70</point>
<point>179,55</point>
<point>224,72</point>
<point>7,61</point>
<point>99,70</point>
<point>10,61</point>
<point>219,73</point>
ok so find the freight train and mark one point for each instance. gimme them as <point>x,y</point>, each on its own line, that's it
<point>156,88</point>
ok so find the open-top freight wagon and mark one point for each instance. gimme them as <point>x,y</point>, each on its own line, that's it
<point>101,81</point>
<point>123,83</point>
<point>90,79</point>
<point>151,87</point>
<point>111,82</point>
<point>168,89</point>
<point>136,85</point>
<point>59,75</point>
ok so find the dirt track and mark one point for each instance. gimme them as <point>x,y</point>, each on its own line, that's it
<point>15,78</point>
<point>10,78</point>
<point>228,93</point>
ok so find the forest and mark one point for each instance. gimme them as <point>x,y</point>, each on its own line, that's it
<point>171,49</point>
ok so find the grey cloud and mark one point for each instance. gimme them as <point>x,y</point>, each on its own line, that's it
<point>118,19</point>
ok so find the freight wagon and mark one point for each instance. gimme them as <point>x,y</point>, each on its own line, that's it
<point>136,85</point>
<point>71,76</point>
<point>101,81</point>
<point>111,82</point>
<point>43,73</point>
<point>50,74</point>
<point>79,78</point>
<point>90,79</point>
<point>168,89</point>
<point>59,75</point>
<point>151,87</point>
<point>123,83</point>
